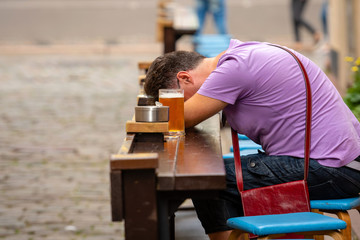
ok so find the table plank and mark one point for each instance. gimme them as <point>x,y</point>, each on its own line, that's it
<point>199,161</point>
<point>166,151</point>
<point>194,160</point>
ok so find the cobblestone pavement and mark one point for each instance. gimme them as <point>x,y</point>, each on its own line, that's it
<point>60,119</point>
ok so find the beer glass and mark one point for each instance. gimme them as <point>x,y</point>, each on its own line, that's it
<point>174,99</point>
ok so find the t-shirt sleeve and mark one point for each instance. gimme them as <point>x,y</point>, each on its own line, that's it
<point>229,82</point>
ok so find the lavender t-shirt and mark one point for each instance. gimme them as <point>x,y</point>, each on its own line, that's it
<point>265,90</point>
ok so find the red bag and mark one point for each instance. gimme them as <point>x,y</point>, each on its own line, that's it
<point>280,198</point>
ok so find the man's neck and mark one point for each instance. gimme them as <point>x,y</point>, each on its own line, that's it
<point>210,64</point>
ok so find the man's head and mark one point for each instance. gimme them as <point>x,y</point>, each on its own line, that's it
<point>163,71</point>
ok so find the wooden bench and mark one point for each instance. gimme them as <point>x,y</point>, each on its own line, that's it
<point>151,176</point>
<point>173,22</point>
<point>339,207</point>
<point>143,67</point>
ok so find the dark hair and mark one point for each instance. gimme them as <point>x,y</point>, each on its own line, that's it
<point>163,70</point>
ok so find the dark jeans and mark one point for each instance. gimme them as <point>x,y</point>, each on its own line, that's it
<point>261,170</point>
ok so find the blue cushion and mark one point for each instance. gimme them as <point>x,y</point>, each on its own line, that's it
<point>336,204</point>
<point>246,144</point>
<point>242,137</point>
<point>210,52</point>
<point>212,39</point>
<point>210,45</point>
<point>286,223</point>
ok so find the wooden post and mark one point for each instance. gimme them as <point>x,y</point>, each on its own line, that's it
<point>116,191</point>
<point>140,204</point>
<point>169,39</point>
<point>133,194</point>
<point>339,44</point>
<point>356,28</point>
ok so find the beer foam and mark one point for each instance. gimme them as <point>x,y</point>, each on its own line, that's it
<point>171,95</point>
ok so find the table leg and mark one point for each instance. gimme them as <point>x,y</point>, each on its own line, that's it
<point>163,218</point>
<point>168,204</point>
<point>169,39</point>
<point>140,208</point>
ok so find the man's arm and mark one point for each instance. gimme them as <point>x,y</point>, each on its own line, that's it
<point>199,107</point>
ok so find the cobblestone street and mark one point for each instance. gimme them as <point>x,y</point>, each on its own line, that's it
<point>60,119</point>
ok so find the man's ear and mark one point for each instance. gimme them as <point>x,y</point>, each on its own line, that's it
<point>184,77</point>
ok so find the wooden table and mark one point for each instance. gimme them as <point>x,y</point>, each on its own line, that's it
<point>151,177</point>
<point>174,21</point>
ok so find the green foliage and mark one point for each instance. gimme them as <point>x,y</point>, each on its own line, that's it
<point>352,97</point>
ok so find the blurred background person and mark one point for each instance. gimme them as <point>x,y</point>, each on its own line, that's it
<point>324,20</point>
<point>297,9</point>
<point>217,8</point>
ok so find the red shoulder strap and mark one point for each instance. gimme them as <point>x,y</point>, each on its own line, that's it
<point>235,140</point>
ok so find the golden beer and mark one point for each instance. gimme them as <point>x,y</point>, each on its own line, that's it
<point>174,99</point>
